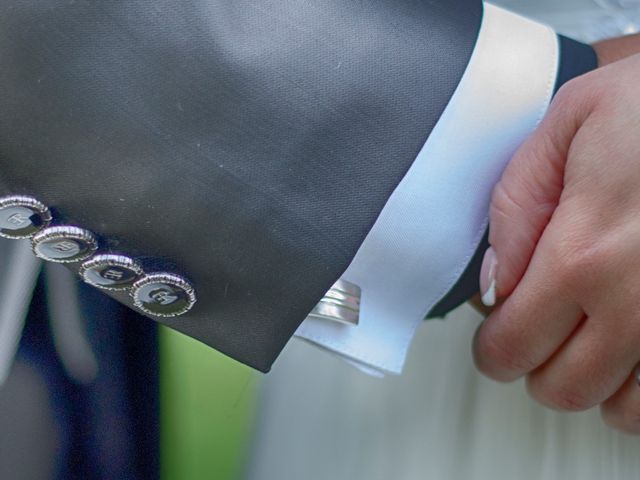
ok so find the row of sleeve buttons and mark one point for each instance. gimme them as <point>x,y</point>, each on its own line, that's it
<point>161,294</point>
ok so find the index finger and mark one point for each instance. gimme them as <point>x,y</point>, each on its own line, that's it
<point>534,321</point>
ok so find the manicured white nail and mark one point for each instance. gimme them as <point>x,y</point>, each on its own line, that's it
<point>488,277</point>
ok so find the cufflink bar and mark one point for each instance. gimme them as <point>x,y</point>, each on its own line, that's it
<point>22,216</point>
<point>340,304</point>
<point>111,271</point>
<point>163,295</point>
<point>64,244</point>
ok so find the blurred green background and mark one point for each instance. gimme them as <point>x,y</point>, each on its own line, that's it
<point>208,405</point>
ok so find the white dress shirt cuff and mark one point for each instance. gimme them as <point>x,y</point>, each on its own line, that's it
<point>433,222</point>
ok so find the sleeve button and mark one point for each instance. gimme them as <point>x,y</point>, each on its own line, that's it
<point>110,271</point>
<point>22,216</point>
<point>163,295</point>
<point>64,244</point>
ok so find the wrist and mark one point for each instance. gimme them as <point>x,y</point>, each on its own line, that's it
<point>614,49</point>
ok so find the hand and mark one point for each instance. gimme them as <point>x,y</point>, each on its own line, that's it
<point>565,256</point>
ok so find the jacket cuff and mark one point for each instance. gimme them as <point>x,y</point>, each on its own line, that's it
<point>432,224</point>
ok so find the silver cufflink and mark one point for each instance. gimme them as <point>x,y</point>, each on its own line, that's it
<point>22,216</point>
<point>163,295</point>
<point>340,304</point>
<point>110,271</point>
<point>64,244</point>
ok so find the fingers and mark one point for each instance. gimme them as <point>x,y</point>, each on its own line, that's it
<point>622,410</point>
<point>528,193</point>
<point>589,368</point>
<point>531,324</point>
<point>480,307</point>
<point>563,263</point>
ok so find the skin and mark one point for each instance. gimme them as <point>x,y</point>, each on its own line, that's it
<point>565,229</point>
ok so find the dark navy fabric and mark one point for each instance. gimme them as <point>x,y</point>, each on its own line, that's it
<point>575,59</point>
<point>108,429</point>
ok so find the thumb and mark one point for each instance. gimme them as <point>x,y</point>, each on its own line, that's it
<point>528,194</point>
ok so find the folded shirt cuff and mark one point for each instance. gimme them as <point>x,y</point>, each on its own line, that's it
<point>431,226</point>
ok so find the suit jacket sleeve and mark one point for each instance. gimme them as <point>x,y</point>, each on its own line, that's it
<point>246,146</point>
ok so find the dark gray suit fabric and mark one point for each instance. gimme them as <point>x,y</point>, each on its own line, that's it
<point>248,145</point>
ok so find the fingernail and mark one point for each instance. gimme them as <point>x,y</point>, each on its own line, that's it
<point>488,277</point>
<point>638,374</point>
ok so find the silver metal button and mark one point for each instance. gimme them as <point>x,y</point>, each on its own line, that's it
<point>110,271</point>
<point>340,304</point>
<point>22,216</point>
<point>64,244</point>
<point>163,295</point>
